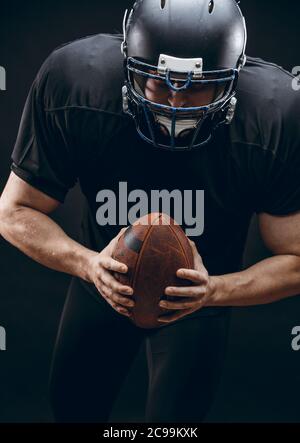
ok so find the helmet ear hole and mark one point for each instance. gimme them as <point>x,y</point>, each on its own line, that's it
<point>211,6</point>
<point>163,4</point>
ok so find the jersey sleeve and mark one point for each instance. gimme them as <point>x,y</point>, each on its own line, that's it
<point>42,155</point>
<point>266,139</point>
<point>278,163</point>
<point>279,193</point>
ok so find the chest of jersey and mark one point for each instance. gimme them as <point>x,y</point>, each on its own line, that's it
<point>200,189</point>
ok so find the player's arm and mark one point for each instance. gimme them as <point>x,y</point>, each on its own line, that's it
<point>266,282</point>
<point>25,223</point>
<point>272,279</point>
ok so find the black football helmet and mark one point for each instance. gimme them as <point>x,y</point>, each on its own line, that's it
<point>182,62</point>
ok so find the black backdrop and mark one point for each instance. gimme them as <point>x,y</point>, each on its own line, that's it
<point>261,378</point>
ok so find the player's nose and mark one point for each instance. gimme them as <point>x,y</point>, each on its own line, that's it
<point>177,99</point>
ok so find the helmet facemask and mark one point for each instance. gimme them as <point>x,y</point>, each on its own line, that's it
<point>176,102</point>
<point>206,98</point>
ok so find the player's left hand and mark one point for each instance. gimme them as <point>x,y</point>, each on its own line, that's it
<point>190,298</point>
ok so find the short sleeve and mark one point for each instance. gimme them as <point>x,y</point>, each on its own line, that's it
<point>266,138</point>
<point>42,155</point>
<point>278,160</point>
<point>280,190</point>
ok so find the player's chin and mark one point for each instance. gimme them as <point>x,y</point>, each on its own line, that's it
<point>183,137</point>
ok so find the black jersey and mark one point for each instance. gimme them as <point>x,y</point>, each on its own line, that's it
<point>73,129</point>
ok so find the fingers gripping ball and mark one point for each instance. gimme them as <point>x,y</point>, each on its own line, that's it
<point>153,248</point>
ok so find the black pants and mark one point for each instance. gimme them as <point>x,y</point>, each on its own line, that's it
<point>95,349</point>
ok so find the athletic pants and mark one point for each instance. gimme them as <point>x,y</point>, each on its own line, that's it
<point>95,349</point>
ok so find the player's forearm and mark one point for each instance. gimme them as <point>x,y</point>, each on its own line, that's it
<point>268,281</point>
<point>39,237</point>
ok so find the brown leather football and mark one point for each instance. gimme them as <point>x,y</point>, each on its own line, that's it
<point>153,248</point>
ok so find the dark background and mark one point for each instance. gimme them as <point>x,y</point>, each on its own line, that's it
<point>262,373</point>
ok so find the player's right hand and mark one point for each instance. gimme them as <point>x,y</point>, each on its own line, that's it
<point>101,269</point>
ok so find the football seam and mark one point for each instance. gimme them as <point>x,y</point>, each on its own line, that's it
<point>139,254</point>
<point>138,261</point>
<point>144,246</point>
<point>132,280</point>
<point>182,248</point>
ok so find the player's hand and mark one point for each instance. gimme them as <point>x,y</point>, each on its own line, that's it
<point>101,269</point>
<point>190,298</point>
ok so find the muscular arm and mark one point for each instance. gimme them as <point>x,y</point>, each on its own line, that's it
<point>24,223</point>
<point>269,280</point>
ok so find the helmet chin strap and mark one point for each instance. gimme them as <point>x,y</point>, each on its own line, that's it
<point>181,125</point>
